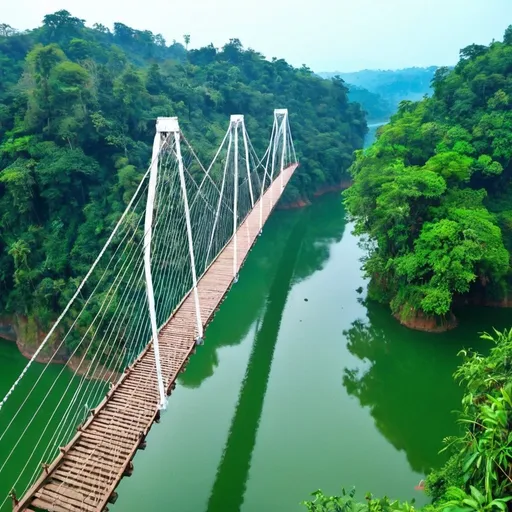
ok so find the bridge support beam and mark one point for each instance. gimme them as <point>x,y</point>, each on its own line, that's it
<point>177,141</point>
<point>236,120</point>
<point>275,143</point>
<point>281,120</point>
<point>283,113</point>
<point>162,127</point>
<point>247,162</point>
<point>279,130</point>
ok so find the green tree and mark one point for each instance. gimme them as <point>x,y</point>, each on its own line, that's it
<point>432,189</point>
<point>77,118</point>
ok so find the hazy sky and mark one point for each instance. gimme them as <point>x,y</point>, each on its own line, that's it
<point>327,35</point>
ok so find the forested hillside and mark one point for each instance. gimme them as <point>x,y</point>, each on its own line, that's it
<point>77,117</point>
<point>433,195</point>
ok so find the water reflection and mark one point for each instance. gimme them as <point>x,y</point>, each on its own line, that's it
<point>245,302</point>
<point>408,385</point>
<point>263,417</point>
<point>326,226</point>
<point>230,482</point>
<point>323,225</point>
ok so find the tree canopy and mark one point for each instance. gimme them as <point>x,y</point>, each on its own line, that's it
<point>432,195</point>
<point>77,118</point>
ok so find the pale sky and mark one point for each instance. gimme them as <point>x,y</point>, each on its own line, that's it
<point>327,35</point>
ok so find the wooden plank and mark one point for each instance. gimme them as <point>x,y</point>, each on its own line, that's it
<point>75,461</point>
<point>49,506</point>
<point>81,479</point>
<point>78,482</point>
<point>110,442</point>
<point>94,472</point>
<point>98,451</point>
<point>64,495</point>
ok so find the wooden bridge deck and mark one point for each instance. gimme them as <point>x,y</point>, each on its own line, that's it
<point>84,476</point>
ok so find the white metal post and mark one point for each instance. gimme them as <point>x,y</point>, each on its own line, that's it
<point>266,173</point>
<point>234,123</point>
<point>283,153</point>
<point>247,163</point>
<point>283,114</point>
<point>274,151</point>
<point>161,130</point>
<point>248,167</point>
<point>199,321</point>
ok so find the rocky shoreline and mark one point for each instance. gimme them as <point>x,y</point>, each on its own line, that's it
<point>301,203</point>
<point>418,321</point>
<point>14,329</point>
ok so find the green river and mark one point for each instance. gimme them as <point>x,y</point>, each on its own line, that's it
<point>300,385</point>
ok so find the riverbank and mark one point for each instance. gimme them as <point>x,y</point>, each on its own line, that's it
<point>301,203</point>
<point>21,332</point>
<point>419,321</point>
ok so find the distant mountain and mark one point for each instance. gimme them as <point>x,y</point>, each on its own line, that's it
<point>392,86</point>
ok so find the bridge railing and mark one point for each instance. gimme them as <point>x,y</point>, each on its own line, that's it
<point>179,218</point>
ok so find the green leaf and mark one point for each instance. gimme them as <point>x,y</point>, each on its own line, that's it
<point>469,462</point>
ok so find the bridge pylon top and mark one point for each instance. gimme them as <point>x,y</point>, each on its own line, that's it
<point>281,111</point>
<point>237,118</point>
<point>167,125</point>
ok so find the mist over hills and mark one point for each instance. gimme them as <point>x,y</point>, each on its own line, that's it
<point>380,91</point>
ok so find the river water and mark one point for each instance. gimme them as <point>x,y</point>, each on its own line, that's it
<point>301,384</point>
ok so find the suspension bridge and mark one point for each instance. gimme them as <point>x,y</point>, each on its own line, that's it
<point>136,318</point>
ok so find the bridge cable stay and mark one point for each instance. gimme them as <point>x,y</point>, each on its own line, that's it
<point>68,386</point>
<point>292,156</point>
<point>180,217</point>
<point>220,202</point>
<point>127,263</point>
<point>124,263</point>
<point>259,175</point>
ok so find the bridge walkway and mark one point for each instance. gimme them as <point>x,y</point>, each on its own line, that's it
<point>86,473</point>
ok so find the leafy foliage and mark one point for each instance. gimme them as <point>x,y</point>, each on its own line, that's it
<point>432,193</point>
<point>347,503</point>
<point>483,456</point>
<point>77,113</point>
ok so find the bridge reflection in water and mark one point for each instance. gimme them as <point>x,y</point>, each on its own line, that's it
<point>229,487</point>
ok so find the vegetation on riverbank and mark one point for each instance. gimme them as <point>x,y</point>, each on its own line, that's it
<point>77,116</point>
<point>478,475</point>
<point>432,196</point>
